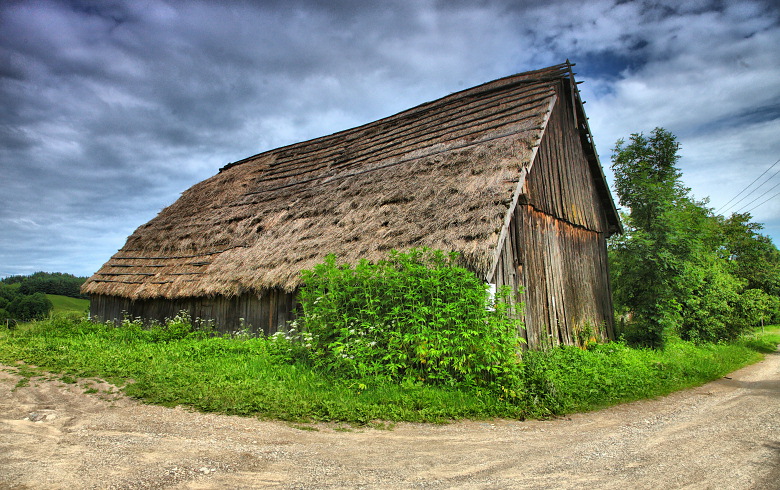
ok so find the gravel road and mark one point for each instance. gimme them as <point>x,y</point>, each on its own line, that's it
<point>725,434</point>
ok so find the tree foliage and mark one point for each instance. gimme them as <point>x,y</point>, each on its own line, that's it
<point>23,298</point>
<point>15,305</point>
<point>751,256</point>
<point>679,269</point>
<point>49,283</point>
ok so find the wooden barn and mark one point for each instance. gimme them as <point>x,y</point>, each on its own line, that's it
<point>505,173</point>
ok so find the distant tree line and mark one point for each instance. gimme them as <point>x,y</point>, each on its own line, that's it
<point>23,298</point>
<point>49,283</point>
<point>680,269</point>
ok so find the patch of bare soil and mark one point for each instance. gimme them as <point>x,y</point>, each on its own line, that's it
<point>725,434</point>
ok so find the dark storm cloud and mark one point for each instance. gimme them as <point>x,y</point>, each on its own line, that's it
<point>108,110</point>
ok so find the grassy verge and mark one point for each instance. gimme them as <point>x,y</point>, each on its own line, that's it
<point>574,380</point>
<point>64,304</point>
<point>256,376</point>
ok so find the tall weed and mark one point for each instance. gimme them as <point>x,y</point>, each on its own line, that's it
<point>415,316</point>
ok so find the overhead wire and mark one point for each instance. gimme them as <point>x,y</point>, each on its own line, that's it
<point>752,192</point>
<point>724,208</point>
<point>763,202</point>
<point>759,197</point>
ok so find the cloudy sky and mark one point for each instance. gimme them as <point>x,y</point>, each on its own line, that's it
<point>110,109</point>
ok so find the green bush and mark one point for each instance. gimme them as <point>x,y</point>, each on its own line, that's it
<point>33,307</point>
<point>22,307</point>
<point>179,327</point>
<point>416,317</point>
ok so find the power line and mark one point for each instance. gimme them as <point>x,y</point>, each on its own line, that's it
<point>754,191</point>
<point>764,202</point>
<point>759,197</point>
<point>748,187</point>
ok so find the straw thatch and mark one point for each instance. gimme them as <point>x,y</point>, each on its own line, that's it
<point>447,174</point>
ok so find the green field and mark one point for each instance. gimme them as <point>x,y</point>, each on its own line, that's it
<point>64,304</point>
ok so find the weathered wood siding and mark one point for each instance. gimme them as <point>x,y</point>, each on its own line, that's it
<point>267,313</point>
<point>562,270</point>
<point>561,182</point>
<point>556,243</point>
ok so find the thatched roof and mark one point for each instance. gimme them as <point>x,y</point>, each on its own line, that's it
<point>443,175</point>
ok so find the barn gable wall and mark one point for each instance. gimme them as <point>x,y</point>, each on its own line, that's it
<point>555,250</point>
<point>563,273</point>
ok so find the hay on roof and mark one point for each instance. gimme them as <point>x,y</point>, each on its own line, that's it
<point>441,175</point>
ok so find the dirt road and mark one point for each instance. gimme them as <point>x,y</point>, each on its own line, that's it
<point>725,434</point>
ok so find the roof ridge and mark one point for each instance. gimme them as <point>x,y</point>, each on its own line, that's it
<point>554,72</point>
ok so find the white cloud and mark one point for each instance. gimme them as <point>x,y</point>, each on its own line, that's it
<point>710,78</point>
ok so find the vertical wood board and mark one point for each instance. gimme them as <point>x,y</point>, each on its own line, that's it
<point>268,312</point>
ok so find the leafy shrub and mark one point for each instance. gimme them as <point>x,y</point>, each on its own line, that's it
<point>23,307</point>
<point>710,309</point>
<point>291,346</point>
<point>415,316</point>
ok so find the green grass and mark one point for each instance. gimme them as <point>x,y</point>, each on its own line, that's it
<point>573,380</point>
<point>253,376</point>
<point>63,304</point>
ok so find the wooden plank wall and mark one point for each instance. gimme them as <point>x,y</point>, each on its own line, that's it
<point>560,182</point>
<point>563,273</point>
<point>509,272</point>
<point>556,245</point>
<point>565,278</point>
<point>266,313</point>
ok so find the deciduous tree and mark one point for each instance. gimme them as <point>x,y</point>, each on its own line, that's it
<point>679,269</point>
